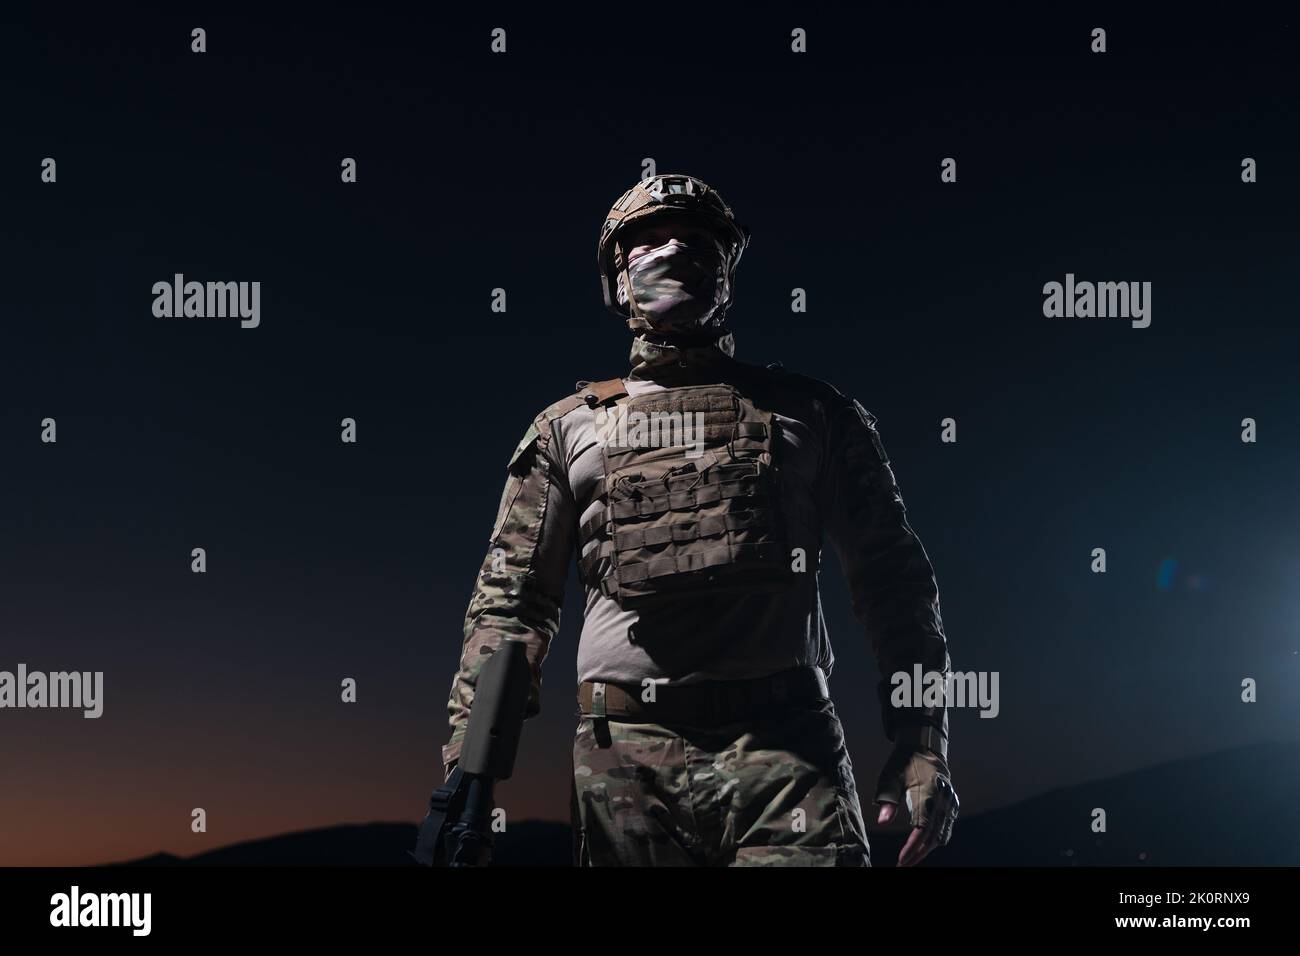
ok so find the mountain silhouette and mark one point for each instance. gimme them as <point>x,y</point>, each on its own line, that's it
<point>528,843</point>
<point>1237,807</point>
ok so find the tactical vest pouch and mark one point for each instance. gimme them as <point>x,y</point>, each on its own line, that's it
<point>689,499</point>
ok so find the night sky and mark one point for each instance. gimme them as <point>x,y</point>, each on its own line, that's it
<point>477,171</point>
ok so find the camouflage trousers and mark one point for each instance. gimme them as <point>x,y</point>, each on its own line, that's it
<point>776,790</point>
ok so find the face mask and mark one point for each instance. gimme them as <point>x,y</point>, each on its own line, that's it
<point>677,288</point>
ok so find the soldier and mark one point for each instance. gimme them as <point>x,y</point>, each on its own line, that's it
<point>696,491</point>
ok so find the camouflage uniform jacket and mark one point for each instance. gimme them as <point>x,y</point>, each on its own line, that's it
<point>835,483</point>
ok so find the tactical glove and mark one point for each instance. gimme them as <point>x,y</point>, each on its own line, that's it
<point>917,773</point>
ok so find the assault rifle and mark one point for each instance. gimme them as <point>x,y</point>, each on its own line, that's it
<point>457,830</point>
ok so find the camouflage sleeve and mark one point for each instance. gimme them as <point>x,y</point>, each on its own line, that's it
<point>890,578</point>
<point>520,585</point>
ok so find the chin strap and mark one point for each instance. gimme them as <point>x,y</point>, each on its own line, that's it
<point>636,320</point>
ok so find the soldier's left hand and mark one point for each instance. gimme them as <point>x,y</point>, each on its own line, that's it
<point>919,776</point>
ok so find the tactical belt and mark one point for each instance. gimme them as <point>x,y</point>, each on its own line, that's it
<point>708,702</point>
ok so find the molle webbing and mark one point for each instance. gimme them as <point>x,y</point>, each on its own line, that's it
<point>688,503</point>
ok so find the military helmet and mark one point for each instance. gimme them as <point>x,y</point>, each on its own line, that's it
<point>657,196</point>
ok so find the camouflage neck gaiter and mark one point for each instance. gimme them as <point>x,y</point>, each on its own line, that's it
<point>676,287</point>
<point>660,358</point>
